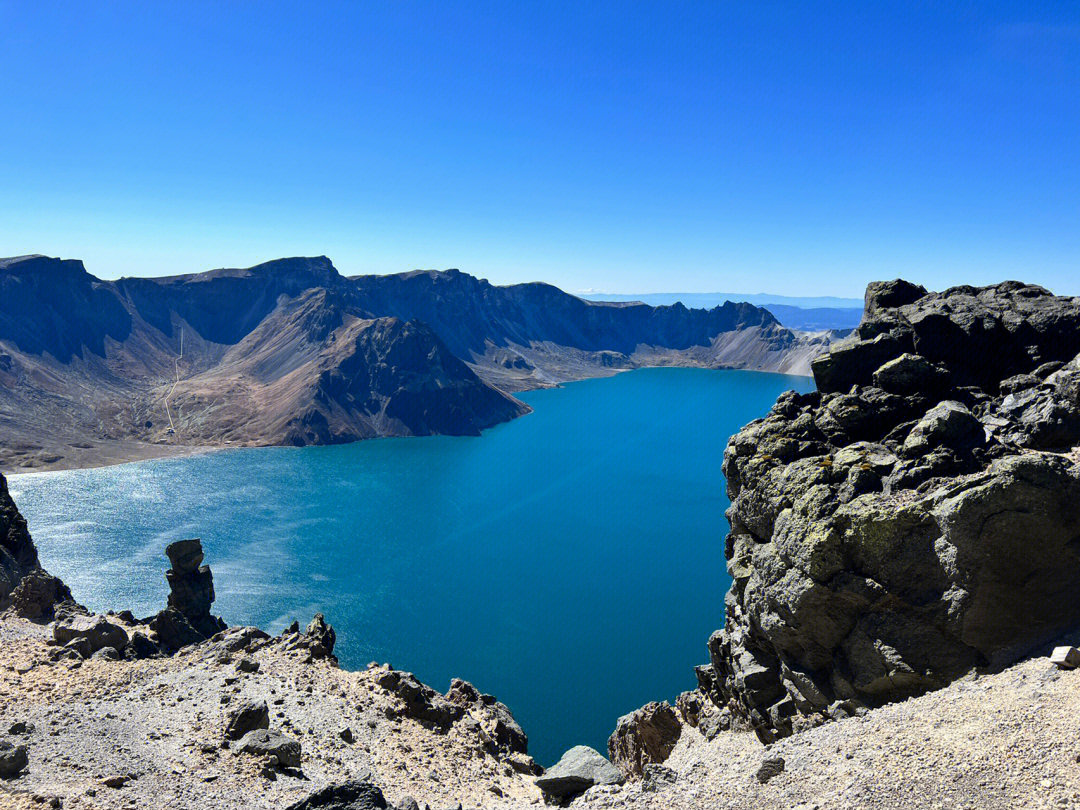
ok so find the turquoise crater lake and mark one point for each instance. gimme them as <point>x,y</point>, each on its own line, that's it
<point>569,562</point>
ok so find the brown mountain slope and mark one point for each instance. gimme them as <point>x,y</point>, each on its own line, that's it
<point>256,357</point>
<point>291,352</point>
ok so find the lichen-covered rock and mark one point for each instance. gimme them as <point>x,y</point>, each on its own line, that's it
<point>904,524</point>
<point>645,736</point>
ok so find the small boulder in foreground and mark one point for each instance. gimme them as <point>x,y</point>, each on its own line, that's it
<point>285,751</point>
<point>579,769</point>
<point>12,759</point>
<point>356,794</point>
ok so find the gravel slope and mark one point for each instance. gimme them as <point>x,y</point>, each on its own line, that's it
<point>162,720</point>
<point>1007,740</point>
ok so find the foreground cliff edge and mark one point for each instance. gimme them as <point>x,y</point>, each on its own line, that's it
<point>905,544</point>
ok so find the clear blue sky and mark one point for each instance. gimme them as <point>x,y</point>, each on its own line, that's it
<point>799,148</point>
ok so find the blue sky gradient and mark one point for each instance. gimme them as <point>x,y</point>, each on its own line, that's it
<point>794,148</point>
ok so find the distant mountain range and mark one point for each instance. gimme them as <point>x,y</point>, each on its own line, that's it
<point>806,314</point>
<point>292,352</point>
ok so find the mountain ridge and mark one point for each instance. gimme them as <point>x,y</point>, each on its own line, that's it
<point>94,371</point>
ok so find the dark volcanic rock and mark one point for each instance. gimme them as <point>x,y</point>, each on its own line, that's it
<point>322,637</point>
<point>174,631</point>
<point>37,595</point>
<point>578,770</point>
<point>12,759</point>
<point>248,716</point>
<point>356,794</point>
<point>98,632</point>
<point>23,584</point>
<point>645,736</point>
<point>773,766</point>
<point>191,586</point>
<point>902,526</point>
<point>285,751</point>
<point>420,701</point>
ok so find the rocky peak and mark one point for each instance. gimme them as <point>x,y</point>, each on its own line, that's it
<point>912,520</point>
<point>983,334</point>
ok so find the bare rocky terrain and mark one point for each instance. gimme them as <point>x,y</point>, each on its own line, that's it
<point>290,352</point>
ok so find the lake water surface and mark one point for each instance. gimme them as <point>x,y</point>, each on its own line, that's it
<point>569,562</point>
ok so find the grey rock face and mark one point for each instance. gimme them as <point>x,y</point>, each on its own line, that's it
<point>97,631</point>
<point>285,751</point>
<point>902,525</point>
<point>578,770</point>
<point>645,736</point>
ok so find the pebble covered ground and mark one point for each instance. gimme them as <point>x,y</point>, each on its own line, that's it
<point>155,728</point>
<point>1009,740</point>
<point>149,734</point>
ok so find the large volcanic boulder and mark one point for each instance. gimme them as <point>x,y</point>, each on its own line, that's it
<point>24,585</point>
<point>915,518</point>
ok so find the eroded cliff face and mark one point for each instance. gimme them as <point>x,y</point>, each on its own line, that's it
<point>25,587</point>
<point>916,517</point>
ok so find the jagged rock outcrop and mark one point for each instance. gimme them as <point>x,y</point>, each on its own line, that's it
<point>419,701</point>
<point>642,737</point>
<point>916,517</point>
<point>191,586</point>
<point>24,586</point>
<point>497,727</point>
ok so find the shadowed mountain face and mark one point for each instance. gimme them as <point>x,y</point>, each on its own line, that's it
<point>291,352</point>
<point>472,314</point>
<point>532,335</point>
